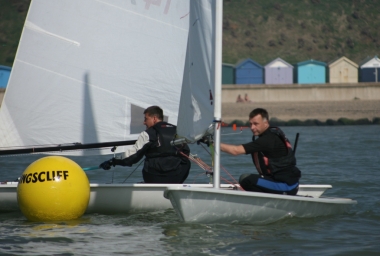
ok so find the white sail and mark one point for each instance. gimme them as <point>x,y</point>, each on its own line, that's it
<point>85,70</point>
<point>197,98</point>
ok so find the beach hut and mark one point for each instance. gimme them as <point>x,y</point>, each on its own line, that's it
<point>5,72</point>
<point>343,70</point>
<point>228,73</point>
<point>278,71</point>
<point>370,70</point>
<point>310,72</point>
<point>249,72</point>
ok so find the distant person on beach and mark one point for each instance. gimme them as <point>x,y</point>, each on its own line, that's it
<point>246,99</point>
<point>163,163</point>
<point>239,99</point>
<point>272,155</point>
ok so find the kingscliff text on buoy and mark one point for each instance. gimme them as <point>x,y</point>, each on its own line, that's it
<point>44,176</point>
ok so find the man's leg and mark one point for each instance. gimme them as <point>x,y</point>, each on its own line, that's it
<point>256,183</point>
<point>175,177</point>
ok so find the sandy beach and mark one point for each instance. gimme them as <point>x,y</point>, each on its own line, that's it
<point>319,110</point>
<point>301,110</point>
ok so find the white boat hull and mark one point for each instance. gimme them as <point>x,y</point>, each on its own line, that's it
<point>198,205</point>
<point>124,198</point>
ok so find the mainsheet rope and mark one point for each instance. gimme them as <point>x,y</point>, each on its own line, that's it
<point>206,167</point>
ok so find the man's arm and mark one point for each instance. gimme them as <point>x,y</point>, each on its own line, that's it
<point>232,149</point>
<point>132,155</point>
<point>140,143</point>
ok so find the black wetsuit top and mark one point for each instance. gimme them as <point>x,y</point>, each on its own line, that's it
<point>270,146</point>
<point>163,162</point>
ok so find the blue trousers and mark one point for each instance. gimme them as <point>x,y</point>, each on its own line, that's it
<point>257,183</point>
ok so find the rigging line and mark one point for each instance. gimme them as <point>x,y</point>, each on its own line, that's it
<point>205,168</point>
<point>191,157</point>
<point>231,177</point>
<point>132,171</point>
<point>235,187</point>
<point>197,177</point>
<point>224,169</point>
<point>209,168</point>
<point>233,184</point>
<point>202,164</point>
<point>198,161</point>
<point>205,149</point>
<point>227,181</point>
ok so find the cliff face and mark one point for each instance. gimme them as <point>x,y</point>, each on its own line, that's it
<point>263,30</point>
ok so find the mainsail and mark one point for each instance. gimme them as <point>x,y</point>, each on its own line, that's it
<point>85,70</point>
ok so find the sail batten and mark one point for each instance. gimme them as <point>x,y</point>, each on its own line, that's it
<point>32,26</point>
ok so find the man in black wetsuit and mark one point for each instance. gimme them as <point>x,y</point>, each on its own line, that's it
<point>272,155</point>
<point>163,163</point>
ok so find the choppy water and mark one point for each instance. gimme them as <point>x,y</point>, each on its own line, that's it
<point>347,157</point>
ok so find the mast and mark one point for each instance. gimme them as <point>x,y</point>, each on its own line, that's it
<point>218,88</point>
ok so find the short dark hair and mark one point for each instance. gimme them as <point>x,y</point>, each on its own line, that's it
<point>259,111</point>
<point>155,111</point>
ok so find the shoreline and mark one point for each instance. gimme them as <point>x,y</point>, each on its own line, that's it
<point>322,112</point>
<point>307,112</point>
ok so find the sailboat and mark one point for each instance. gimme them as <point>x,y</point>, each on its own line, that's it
<point>217,205</point>
<point>83,74</point>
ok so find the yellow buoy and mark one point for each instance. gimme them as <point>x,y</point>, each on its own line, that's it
<point>53,188</point>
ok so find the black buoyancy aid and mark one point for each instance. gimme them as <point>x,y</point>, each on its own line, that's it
<point>161,135</point>
<point>270,166</point>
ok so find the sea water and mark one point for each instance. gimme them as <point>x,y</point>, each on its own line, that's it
<point>347,157</point>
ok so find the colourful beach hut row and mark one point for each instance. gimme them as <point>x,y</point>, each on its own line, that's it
<point>278,71</point>
<point>5,72</point>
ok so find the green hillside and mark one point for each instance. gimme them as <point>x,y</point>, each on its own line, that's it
<point>295,30</point>
<point>298,30</point>
<point>12,17</point>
